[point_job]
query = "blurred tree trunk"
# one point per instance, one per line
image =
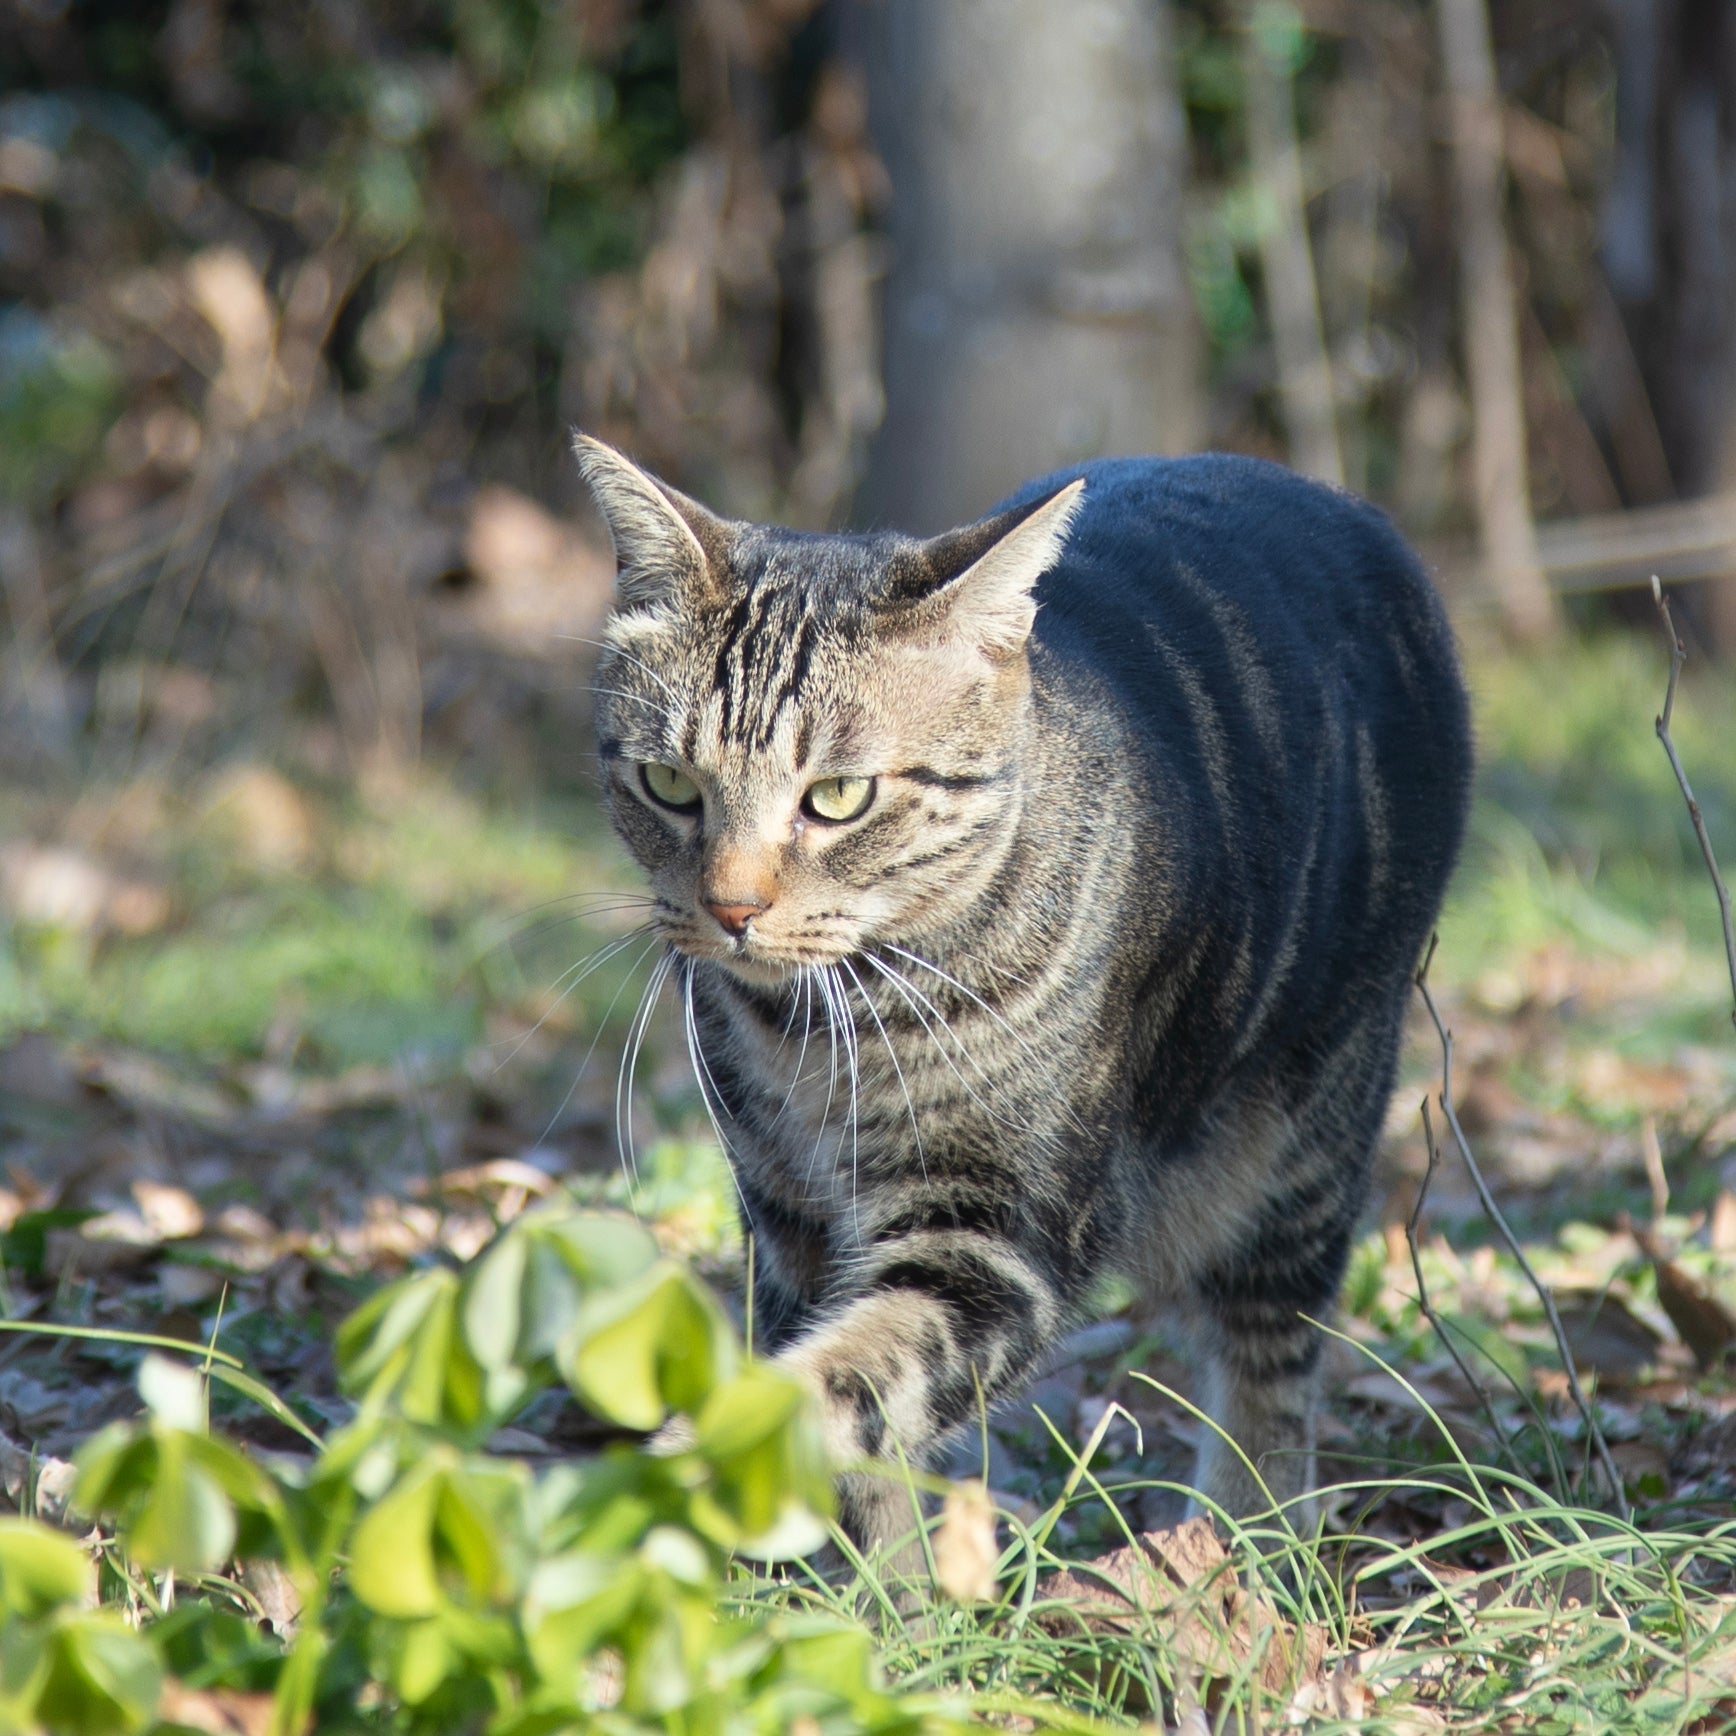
(1669, 241)
(1286, 259)
(1037, 310)
(1500, 473)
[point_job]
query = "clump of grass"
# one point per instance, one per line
(1529, 1612)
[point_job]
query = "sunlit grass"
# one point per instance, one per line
(391, 934)
(1580, 837)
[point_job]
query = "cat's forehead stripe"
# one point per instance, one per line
(763, 662)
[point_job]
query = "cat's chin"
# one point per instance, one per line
(762, 971)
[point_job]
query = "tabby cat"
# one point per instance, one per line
(1043, 899)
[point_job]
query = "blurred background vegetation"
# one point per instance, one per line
(298, 303)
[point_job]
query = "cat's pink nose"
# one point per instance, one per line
(734, 917)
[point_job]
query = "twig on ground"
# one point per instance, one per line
(1593, 1431)
(1423, 1302)
(1656, 1180)
(1678, 655)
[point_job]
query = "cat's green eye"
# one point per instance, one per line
(670, 786)
(838, 799)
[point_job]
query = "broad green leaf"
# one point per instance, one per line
(392, 1551)
(451, 1527)
(424, 1659)
(572, 1605)
(184, 1519)
(113, 1466)
(441, 1383)
(678, 1553)
(467, 1536)
(491, 1301)
(523, 1295)
(99, 1678)
(661, 1651)
(206, 1646)
(403, 1351)
(39, 1568)
(607, 1249)
(659, 1345)
(770, 1484)
(173, 1393)
(557, 1276)
(378, 1332)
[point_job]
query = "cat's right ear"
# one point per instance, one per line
(667, 548)
(975, 584)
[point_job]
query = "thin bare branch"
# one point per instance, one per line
(1423, 1302)
(1594, 1432)
(1678, 656)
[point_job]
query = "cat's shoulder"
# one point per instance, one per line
(1218, 493)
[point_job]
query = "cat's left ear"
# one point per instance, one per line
(978, 581)
(666, 546)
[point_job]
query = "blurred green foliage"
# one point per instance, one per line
(440, 1589)
(58, 395)
(479, 160)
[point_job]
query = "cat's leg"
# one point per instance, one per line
(791, 1264)
(1261, 1370)
(1255, 1302)
(937, 1322)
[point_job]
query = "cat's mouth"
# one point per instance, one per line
(760, 959)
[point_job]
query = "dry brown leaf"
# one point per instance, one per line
(1377, 1386)
(537, 578)
(965, 1548)
(1340, 1693)
(507, 1174)
(52, 1478)
(1706, 1326)
(171, 1212)
(265, 815)
(1639, 1458)
(218, 1711)
(275, 1594)
(1183, 1579)
(54, 887)
(1605, 1336)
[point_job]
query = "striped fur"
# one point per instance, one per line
(1109, 976)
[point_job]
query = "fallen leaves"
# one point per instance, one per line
(1180, 1585)
(1706, 1326)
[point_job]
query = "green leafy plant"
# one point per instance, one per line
(441, 1588)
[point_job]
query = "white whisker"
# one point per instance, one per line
(591, 962)
(845, 1022)
(629, 1063)
(807, 998)
(906, 989)
(892, 1056)
(597, 1036)
(993, 1012)
(819, 977)
(626, 657)
(701, 1074)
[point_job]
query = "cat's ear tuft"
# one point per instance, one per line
(666, 546)
(978, 580)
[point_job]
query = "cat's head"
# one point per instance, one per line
(811, 742)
